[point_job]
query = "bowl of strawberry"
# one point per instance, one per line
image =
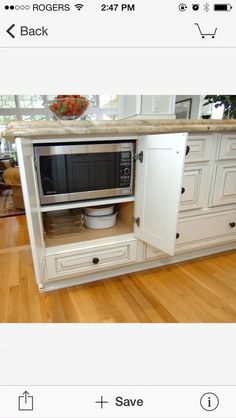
(68, 107)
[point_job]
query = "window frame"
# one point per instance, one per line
(19, 112)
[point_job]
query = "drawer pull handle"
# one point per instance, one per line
(187, 150)
(177, 235)
(182, 190)
(95, 260)
(232, 224)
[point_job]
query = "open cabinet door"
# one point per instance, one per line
(159, 171)
(32, 205)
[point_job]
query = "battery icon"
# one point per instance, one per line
(222, 7)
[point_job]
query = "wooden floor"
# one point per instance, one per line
(13, 232)
(202, 290)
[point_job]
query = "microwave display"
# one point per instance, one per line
(84, 171)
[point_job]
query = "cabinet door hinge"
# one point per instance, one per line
(139, 157)
(136, 221)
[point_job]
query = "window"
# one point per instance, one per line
(31, 101)
(32, 107)
(7, 101)
(103, 107)
(22, 108)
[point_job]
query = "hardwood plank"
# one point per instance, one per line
(150, 306)
(13, 232)
(171, 295)
(123, 302)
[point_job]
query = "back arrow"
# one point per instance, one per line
(9, 31)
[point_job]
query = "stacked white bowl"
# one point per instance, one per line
(100, 217)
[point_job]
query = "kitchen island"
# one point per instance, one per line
(183, 206)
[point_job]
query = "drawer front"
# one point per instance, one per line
(212, 227)
(199, 232)
(91, 259)
(194, 188)
(224, 192)
(200, 148)
(227, 147)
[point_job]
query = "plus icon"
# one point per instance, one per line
(101, 402)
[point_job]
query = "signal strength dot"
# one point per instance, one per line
(79, 6)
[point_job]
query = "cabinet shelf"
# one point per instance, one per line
(87, 203)
(120, 228)
(123, 226)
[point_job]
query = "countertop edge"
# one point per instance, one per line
(60, 129)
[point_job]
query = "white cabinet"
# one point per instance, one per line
(194, 187)
(205, 230)
(227, 148)
(200, 148)
(225, 184)
(182, 203)
(91, 258)
(158, 182)
(224, 191)
(32, 206)
(158, 189)
(196, 232)
(208, 201)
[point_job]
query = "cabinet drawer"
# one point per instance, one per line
(227, 147)
(200, 148)
(224, 191)
(200, 232)
(194, 188)
(91, 259)
(212, 227)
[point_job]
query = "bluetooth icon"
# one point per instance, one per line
(206, 7)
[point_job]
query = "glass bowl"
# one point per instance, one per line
(68, 107)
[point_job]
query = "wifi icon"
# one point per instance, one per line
(79, 6)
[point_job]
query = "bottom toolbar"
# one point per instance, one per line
(117, 401)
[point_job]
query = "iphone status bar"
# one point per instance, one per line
(118, 25)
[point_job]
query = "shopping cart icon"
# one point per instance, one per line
(203, 35)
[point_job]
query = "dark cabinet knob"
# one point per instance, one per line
(177, 235)
(182, 190)
(95, 260)
(232, 224)
(187, 150)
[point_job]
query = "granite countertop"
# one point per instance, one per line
(131, 127)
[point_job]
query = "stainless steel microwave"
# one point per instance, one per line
(81, 171)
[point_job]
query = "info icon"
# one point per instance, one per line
(209, 401)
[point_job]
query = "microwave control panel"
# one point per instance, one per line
(125, 169)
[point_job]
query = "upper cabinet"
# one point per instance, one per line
(159, 173)
(147, 107)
